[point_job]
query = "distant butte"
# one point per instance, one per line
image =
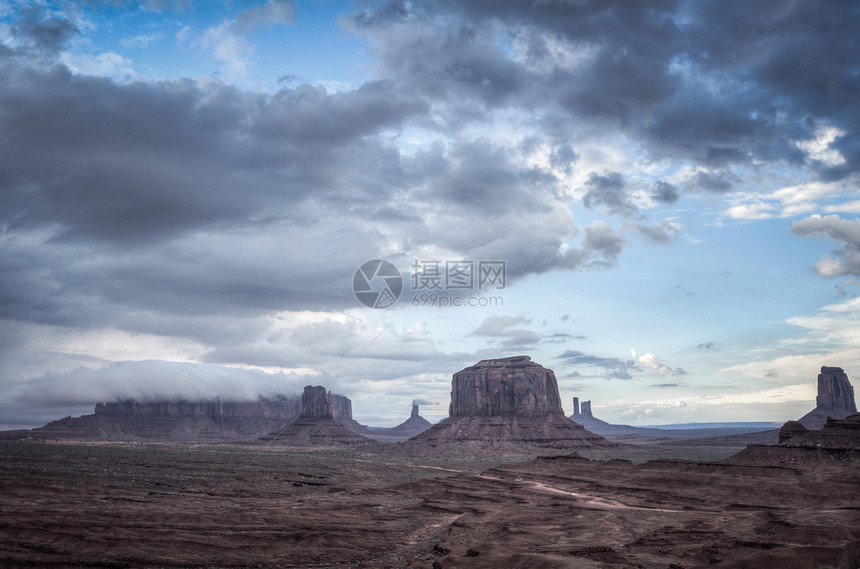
(203, 421)
(835, 398)
(315, 425)
(505, 406)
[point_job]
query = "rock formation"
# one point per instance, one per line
(315, 425)
(584, 414)
(178, 421)
(506, 386)
(835, 398)
(316, 403)
(187, 421)
(834, 390)
(506, 406)
(836, 442)
(834, 434)
(791, 429)
(414, 425)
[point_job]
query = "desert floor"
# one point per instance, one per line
(163, 505)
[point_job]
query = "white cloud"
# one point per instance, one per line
(107, 64)
(818, 148)
(143, 40)
(796, 199)
(652, 362)
(182, 34)
(232, 50)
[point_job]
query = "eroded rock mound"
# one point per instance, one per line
(835, 434)
(837, 442)
(508, 406)
(315, 425)
(835, 398)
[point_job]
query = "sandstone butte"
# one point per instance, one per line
(315, 425)
(503, 406)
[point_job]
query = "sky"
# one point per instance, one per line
(658, 200)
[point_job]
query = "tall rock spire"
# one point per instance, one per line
(835, 398)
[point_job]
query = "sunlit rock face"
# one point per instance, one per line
(514, 386)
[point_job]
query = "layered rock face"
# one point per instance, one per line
(835, 392)
(505, 387)
(315, 425)
(835, 398)
(316, 403)
(279, 407)
(505, 407)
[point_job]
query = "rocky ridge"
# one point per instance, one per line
(211, 420)
(836, 442)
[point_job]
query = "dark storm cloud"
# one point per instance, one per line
(167, 207)
(717, 85)
(149, 195)
(141, 162)
(42, 33)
